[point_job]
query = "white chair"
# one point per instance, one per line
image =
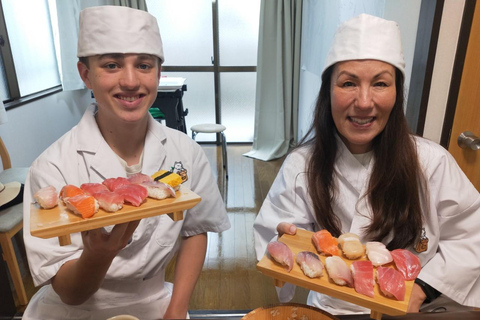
(213, 128)
(11, 222)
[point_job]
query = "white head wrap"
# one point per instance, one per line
(367, 37)
(116, 29)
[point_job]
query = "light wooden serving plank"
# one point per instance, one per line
(61, 222)
(302, 242)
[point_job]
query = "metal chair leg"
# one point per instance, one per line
(224, 153)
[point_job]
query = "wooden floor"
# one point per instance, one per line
(229, 280)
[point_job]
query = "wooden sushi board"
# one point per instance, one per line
(378, 305)
(61, 222)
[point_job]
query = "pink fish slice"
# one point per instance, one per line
(391, 282)
(46, 197)
(362, 272)
(114, 183)
(134, 194)
(407, 263)
(109, 201)
(281, 253)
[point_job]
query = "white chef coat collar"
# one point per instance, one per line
(105, 162)
(348, 167)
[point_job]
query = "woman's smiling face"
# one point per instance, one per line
(363, 94)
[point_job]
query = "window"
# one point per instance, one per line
(213, 44)
(28, 60)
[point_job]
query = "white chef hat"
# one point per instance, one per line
(367, 37)
(117, 29)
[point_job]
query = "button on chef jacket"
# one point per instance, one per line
(451, 264)
(134, 283)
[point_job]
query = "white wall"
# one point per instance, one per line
(320, 20)
(32, 127)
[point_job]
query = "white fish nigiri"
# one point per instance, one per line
(310, 264)
(46, 197)
(339, 271)
(378, 253)
(281, 253)
(158, 189)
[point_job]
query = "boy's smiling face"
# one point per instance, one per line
(124, 85)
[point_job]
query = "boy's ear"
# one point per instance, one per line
(84, 73)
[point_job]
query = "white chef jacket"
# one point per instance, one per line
(451, 264)
(134, 283)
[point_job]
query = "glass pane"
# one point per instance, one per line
(186, 30)
(31, 40)
(238, 105)
(238, 28)
(4, 94)
(199, 99)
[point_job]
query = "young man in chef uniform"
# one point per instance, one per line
(121, 269)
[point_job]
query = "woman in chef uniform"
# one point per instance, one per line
(360, 170)
(121, 269)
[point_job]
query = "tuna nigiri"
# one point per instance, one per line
(91, 188)
(82, 204)
(407, 263)
(281, 253)
(351, 246)
(134, 194)
(378, 253)
(339, 271)
(46, 197)
(310, 264)
(70, 190)
(362, 272)
(391, 283)
(109, 201)
(325, 243)
(113, 183)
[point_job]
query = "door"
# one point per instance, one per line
(467, 113)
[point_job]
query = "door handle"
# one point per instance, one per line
(467, 140)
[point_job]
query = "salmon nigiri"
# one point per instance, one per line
(82, 204)
(325, 243)
(69, 191)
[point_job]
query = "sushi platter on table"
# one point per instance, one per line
(302, 241)
(61, 222)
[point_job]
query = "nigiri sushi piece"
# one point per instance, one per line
(339, 271)
(134, 194)
(378, 253)
(82, 204)
(325, 243)
(351, 246)
(281, 253)
(158, 190)
(362, 272)
(90, 188)
(46, 197)
(310, 264)
(139, 178)
(391, 283)
(108, 200)
(70, 190)
(113, 183)
(407, 263)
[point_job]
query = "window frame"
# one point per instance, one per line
(16, 99)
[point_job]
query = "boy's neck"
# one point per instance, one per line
(127, 141)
